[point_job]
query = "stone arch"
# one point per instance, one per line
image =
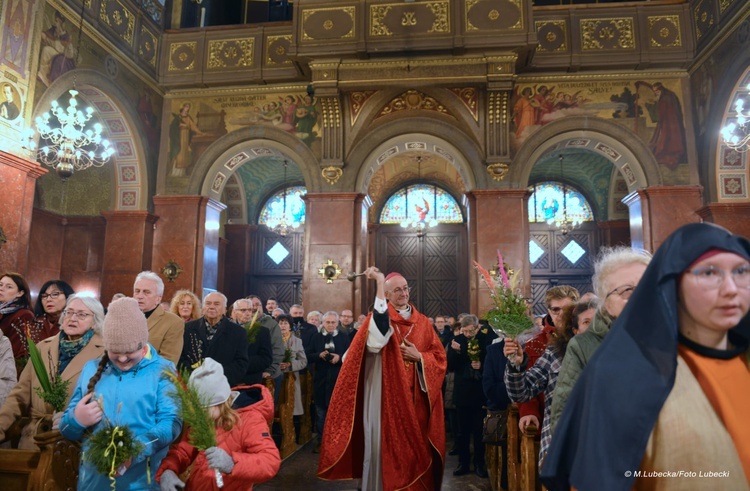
(224, 156)
(124, 130)
(399, 136)
(623, 148)
(727, 173)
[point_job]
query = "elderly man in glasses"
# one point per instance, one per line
(556, 299)
(397, 409)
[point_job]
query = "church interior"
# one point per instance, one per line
(272, 147)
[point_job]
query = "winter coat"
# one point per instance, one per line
(165, 333)
(249, 443)
(299, 362)
(138, 398)
(326, 373)
(15, 326)
(260, 357)
(467, 388)
(8, 375)
(228, 347)
(24, 400)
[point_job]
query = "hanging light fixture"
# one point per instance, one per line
(419, 221)
(564, 223)
(69, 144)
(736, 135)
(282, 225)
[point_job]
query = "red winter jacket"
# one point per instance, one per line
(256, 458)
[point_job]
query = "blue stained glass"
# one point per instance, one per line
(421, 202)
(295, 207)
(546, 204)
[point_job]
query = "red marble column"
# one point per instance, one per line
(238, 258)
(498, 219)
(188, 233)
(657, 211)
(733, 216)
(128, 242)
(18, 177)
(336, 229)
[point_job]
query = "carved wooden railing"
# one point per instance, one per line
(284, 413)
(523, 454)
(54, 467)
(305, 429)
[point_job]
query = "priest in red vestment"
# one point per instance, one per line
(389, 430)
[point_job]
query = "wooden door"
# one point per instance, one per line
(558, 259)
(277, 267)
(435, 265)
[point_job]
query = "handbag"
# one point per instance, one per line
(495, 430)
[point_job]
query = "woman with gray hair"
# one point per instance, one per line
(65, 354)
(617, 272)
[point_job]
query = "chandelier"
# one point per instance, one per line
(564, 223)
(736, 135)
(419, 221)
(69, 145)
(281, 225)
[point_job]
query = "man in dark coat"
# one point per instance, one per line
(215, 336)
(259, 351)
(327, 349)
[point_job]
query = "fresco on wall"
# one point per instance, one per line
(58, 48)
(11, 106)
(195, 124)
(15, 42)
(650, 108)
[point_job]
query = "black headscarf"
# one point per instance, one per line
(604, 429)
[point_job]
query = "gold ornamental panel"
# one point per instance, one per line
(328, 23)
(182, 56)
(413, 100)
(147, 46)
(277, 50)
(724, 4)
(469, 98)
(704, 18)
(119, 18)
(395, 19)
(664, 31)
(494, 15)
(552, 35)
(607, 34)
(357, 102)
(230, 53)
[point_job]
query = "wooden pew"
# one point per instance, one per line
(529, 468)
(523, 456)
(514, 450)
(285, 411)
(306, 386)
(54, 467)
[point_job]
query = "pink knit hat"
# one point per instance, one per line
(125, 328)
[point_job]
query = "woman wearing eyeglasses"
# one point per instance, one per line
(664, 403)
(616, 273)
(16, 317)
(49, 306)
(64, 354)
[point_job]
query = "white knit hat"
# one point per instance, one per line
(125, 327)
(210, 382)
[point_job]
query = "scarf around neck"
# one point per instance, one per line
(69, 348)
(11, 306)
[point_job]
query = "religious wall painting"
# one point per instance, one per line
(59, 47)
(15, 35)
(650, 108)
(11, 106)
(197, 123)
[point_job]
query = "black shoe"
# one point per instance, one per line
(482, 472)
(453, 452)
(461, 470)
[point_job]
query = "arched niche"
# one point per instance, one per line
(625, 150)
(123, 128)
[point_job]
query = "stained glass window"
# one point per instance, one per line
(273, 210)
(551, 201)
(421, 202)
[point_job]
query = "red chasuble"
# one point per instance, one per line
(412, 433)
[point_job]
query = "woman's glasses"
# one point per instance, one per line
(45, 296)
(78, 315)
(712, 277)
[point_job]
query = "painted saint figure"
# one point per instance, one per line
(9, 109)
(181, 132)
(58, 53)
(668, 140)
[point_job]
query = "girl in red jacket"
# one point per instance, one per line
(245, 453)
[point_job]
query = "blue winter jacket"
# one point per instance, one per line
(138, 398)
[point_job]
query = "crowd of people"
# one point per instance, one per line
(606, 376)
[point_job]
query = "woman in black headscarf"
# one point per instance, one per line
(668, 390)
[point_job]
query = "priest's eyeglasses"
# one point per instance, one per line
(79, 315)
(399, 291)
(712, 277)
(624, 291)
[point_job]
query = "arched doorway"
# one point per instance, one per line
(431, 251)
